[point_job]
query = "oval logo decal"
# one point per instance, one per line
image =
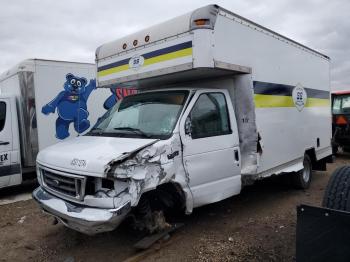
(136, 62)
(299, 97)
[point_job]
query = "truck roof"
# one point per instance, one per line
(179, 25)
(29, 64)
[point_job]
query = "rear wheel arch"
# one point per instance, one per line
(311, 152)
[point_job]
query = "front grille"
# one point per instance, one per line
(67, 185)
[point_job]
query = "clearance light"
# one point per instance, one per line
(125, 46)
(146, 38)
(201, 22)
(135, 42)
(341, 120)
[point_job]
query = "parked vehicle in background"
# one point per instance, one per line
(341, 121)
(223, 102)
(41, 103)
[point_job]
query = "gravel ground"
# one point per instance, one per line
(257, 225)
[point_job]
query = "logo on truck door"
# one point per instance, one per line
(299, 97)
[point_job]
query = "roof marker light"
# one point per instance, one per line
(201, 22)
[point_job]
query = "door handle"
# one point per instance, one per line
(4, 143)
(236, 155)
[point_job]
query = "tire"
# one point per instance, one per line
(302, 179)
(337, 194)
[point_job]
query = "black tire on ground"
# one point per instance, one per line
(302, 179)
(337, 194)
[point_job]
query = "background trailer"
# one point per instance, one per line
(43, 102)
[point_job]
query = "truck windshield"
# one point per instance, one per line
(145, 115)
(341, 104)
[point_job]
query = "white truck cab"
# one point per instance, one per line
(221, 102)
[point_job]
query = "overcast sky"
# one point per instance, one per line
(71, 30)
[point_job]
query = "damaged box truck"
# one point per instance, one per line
(221, 102)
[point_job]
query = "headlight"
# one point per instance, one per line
(38, 173)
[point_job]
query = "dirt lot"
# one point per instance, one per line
(258, 225)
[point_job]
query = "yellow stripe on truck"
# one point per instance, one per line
(170, 56)
(264, 101)
(273, 101)
(317, 102)
(113, 70)
(149, 61)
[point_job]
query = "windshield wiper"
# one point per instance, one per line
(95, 130)
(135, 130)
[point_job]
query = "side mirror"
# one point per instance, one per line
(188, 126)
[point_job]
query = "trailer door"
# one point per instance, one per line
(7, 153)
(211, 147)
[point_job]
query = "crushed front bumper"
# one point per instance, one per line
(87, 220)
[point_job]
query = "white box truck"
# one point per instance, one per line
(39, 106)
(222, 102)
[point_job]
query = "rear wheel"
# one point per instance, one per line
(302, 179)
(337, 194)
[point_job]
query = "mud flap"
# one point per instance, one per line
(322, 234)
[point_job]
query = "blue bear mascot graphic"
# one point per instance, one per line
(111, 100)
(71, 104)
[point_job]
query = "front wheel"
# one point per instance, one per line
(302, 179)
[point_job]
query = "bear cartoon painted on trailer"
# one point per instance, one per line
(71, 104)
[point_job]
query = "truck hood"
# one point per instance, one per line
(89, 155)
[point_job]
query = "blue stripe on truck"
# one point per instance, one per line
(264, 88)
(148, 55)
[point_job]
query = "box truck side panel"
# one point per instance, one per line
(68, 110)
(272, 58)
(9, 143)
(20, 85)
(279, 69)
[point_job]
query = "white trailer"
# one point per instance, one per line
(33, 96)
(222, 102)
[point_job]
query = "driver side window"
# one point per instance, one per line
(209, 116)
(2, 115)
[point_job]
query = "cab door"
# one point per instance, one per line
(8, 154)
(211, 153)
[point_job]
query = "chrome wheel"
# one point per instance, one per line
(306, 171)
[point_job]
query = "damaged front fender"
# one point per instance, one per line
(148, 167)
